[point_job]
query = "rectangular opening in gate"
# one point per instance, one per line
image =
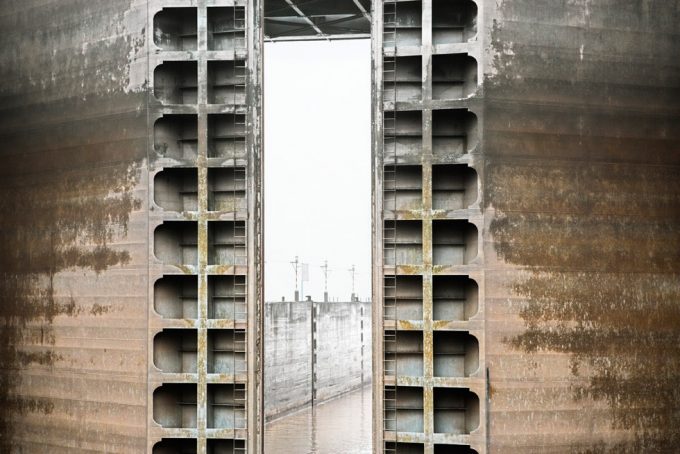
(317, 333)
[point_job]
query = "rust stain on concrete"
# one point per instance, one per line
(73, 129)
(581, 183)
(71, 223)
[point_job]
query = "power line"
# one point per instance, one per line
(319, 264)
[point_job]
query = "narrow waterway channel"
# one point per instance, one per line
(339, 426)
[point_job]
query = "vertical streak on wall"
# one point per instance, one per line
(205, 232)
(361, 338)
(377, 280)
(313, 319)
(428, 277)
(202, 202)
(255, 128)
(426, 159)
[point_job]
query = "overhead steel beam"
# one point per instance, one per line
(353, 33)
(365, 13)
(304, 16)
(300, 20)
(316, 38)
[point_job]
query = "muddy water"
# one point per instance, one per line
(341, 426)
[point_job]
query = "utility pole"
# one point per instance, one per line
(295, 264)
(353, 271)
(304, 277)
(325, 281)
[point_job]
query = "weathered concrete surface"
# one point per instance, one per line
(340, 366)
(288, 365)
(582, 207)
(582, 199)
(288, 352)
(72, 226)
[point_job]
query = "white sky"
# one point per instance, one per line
(318, 166)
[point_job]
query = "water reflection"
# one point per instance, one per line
(341, 426)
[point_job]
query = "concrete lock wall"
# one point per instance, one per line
(129, 286)
(567, 113)
(130, 305)
(295, 373)
(582, 215)
(73, 226)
